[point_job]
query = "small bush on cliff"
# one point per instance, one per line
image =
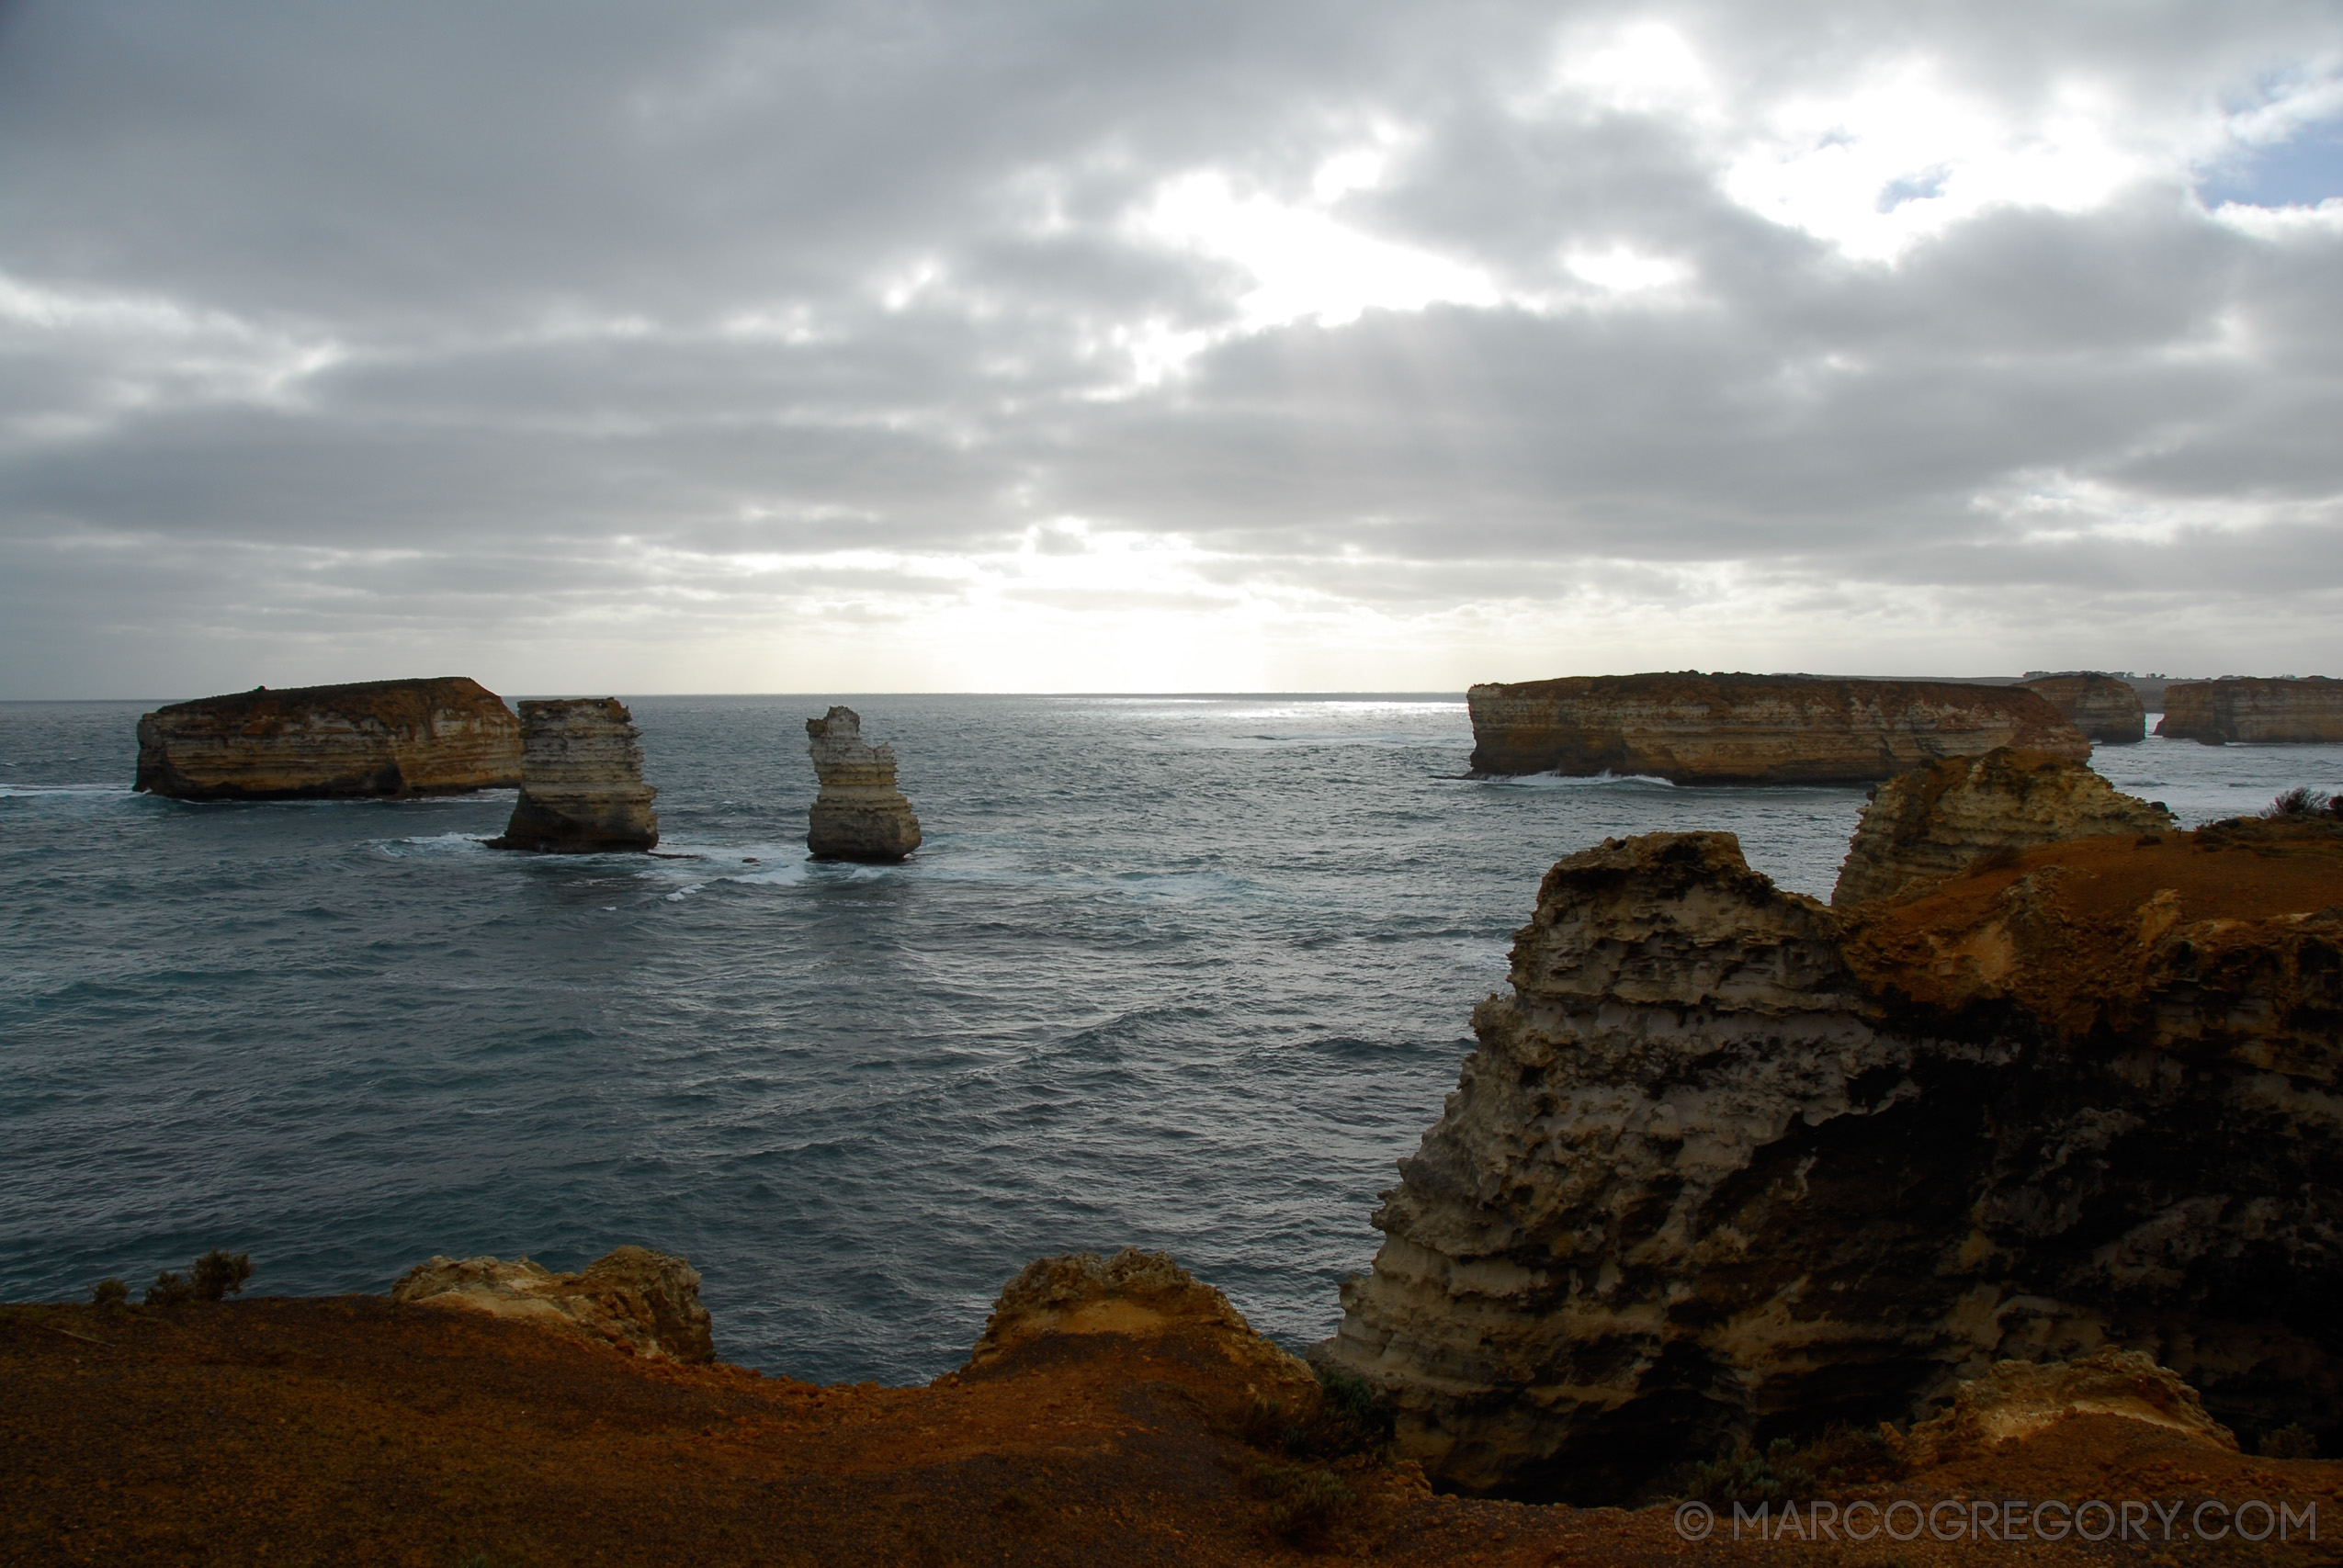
(217, 1275)
(1785, 1470)
(2288, 1442)
(108, 1292)
(170, 1288)
(220, 1274)
(2303, 802)
(1348, 1417)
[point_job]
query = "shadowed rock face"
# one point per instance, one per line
(2102, 706)
(646, 1302)
(1752, 728)
(581, 789)
(1934, 821)
(372, 739)
(860, 815)
(2241, 710)
(1727, 1163)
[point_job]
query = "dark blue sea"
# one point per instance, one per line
(1186, 972)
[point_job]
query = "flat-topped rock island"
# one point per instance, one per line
(1692, 729)
(384, 739)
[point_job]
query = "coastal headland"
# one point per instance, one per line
(1115, 1412)
(1728, 1165)
(372, 739)
(1692, 729)
(2104, 707)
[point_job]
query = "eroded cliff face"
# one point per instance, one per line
(1935, 821)
(860, 815)
(2102, 706)
(1727, 1163)
(1695, 728)
(581, 784)
(2240, 708)
(646, 1302)
(381, 738)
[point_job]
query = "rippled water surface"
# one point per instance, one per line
(1188, 972)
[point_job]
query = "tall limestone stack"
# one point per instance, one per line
(1728, 1164)
(2249, 710)
(1935, 821)
(370, 738)
(2102, 707)
(860, 815)
(1692, 729)
(581, 789)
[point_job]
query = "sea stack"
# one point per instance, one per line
(581, 789)
(2102, 706)
(1935, 821)
(1739, 730)
(2244, 708)
(860, 815)
(1728, 1164)
(380, 739)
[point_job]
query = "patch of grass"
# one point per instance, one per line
(1347, 1417)
(1305, 1501)
(2290, 1441)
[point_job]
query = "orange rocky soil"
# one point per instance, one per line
(355, 1430)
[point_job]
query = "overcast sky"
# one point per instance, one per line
(1049, 345)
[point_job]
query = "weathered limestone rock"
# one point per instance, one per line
(581, 789)
(1693, 728)
(644, 1302)
(1132, 1292)
(1728, 1164)
(2240, 708)
(860, 815)
(2014, 1400)
(390, 738)
(1934, 821)
(2102, 706)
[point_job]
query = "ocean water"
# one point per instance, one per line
(1186, 972)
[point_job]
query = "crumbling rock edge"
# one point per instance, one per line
(643, 1301)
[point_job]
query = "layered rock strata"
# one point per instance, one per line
(644, 1302)
(1935, 821)
(1132, 1293)
(2014, 1400)
(1728, 1164)
(860, 815)
(2240, 708)
(2102, 706)
(1736, 729)
(371, 738)
(581, 787)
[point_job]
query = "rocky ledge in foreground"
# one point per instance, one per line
(860, 815)
(372, 739)
(1939, 820)
(2103, 707)
(582, 788)
(2235, 708)
(1738, 729)
(1117, 1411)
(1728, 1164)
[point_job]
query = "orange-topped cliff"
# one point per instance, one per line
(369, 738)
(1726, 730)
(2286, 710)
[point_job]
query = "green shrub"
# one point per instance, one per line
(109, 1292)
(169, 1290)
(2288, 1442)
(1305, 1501)
(219, 1274)
(1352, 1415)
(1785, 1470)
